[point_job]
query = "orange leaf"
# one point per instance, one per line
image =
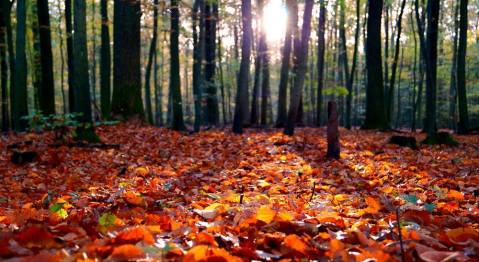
(462, 235)
(196, 253)
(126, 253)
(134, 235)
(294, 242)
(33, 236)
(375, 255)
(133, 199)
(205, 238)
(455, 194)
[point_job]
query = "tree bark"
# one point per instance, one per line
(105, 62)
(148, 107)
(211, 112)
(198, 46)
(46, 94)
(126, 101)
(463, 125)
(333, 131)
(301, 67)
(19, 92)
(69, 29)
(375, 109)
(321, 51)
(350, 80)
(243, 75)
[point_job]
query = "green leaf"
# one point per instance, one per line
(430, 207)
(57, 207)
(410, 198)
(107, 220)
(62, 213)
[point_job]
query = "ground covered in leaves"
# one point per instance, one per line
(215, 196)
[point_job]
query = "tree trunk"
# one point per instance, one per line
(211, 107)
(149, 110)
(264, 72)
(397, 47)
(375, 110)
(333, 131)
(93, 55)
(398, 111)
(105, 62)
(126, 101)
(301, 66)
(81, 87)
(321, 51)
(463, 125)
(453, 80)
(243, 75)
(19, 92)
(175, 82)
(285, 63)
(198, 44)
(350, 80)
(433, 8)
(46, 94)
(69, 29)
(62, 59)
(257, 75)
(3, 64)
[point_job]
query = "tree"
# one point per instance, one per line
(81, 86)
(126, 100)
(375, 109)
(397, 46)
(350, 80)
(5, 13)
(19, 92)
(69, 29)
(301, 67)
(430, 127)
(463, 125)
(198, 45)
(321, 51)
(243, 75)
(46, 94)
(175, 90)
(149, 112)
(105, 61)
(211, 110)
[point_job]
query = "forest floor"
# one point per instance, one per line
(215, 196)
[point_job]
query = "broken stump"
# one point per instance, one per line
(333, 131)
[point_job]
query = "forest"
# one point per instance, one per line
(239, 130)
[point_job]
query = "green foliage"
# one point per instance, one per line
(63, 126)
(107, 220)
(337, 91)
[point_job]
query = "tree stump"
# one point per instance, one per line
(333, 131)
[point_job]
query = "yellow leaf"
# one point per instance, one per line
(373, 205)
(265, 214)
(340, 198)
(285, 216)
(196, 253)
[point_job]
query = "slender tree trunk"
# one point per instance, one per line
(81, 85)
(62, 60)
(398, 111)
(302, 61)
(414, 78)
(69, 32)
(36, 61)
(93, 55)
(149, 110)
(175, 84)
(211, 107)
(198, 43)
(105, 62)
(19, 92)
(433, 8)
(46, 94)
(420, 21)
(10, 48)
(3, 63)
(387, 8)
(257, 75)
(350, 80)
(126, 101)
(321, 51)
(264, 72)
(463, 125)
(453, 81)
(375, 109)
(397, 47)
(243, 75)
(221, 76)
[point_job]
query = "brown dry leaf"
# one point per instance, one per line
(295, 243)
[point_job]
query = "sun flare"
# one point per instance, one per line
(275, 18)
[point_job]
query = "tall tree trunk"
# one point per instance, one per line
(453, 81)
(36, 61)
(387, 12)
(414, 76)
(463, 125)
(211, 107)
(243, 75)
(302, 60)
(4, 11)
(198, 44)
(433, 8)
(19, 92)
(69, 32)
(221, 77)
(175, 82)
(321, 51)
(105, 62)
(343, 58)
(46, 94)
(397, 47)
(420, 21)
(62, 60)
(81, 85)
(285, 63)
(149, 110)
(126, 101)
(350, 80)
(257, 75)
(398, 111)
(93, 55)
(375, 110)
(264, 71)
